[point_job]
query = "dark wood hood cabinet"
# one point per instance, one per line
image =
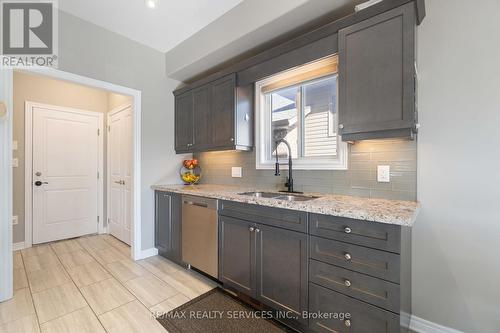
(377, 81)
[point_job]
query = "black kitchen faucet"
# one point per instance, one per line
(289, 179)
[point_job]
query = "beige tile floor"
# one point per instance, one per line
(90, 284)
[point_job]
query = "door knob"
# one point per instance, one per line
(347, 256)
(347, 283)
(251, 229)
(40, 183)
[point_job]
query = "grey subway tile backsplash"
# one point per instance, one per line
(360, 179)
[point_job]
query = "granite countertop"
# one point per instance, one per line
(375, 210)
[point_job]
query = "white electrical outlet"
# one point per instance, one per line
(15, 163)
(384, 173)
(14, 145)
(236, 172)
(15, 220)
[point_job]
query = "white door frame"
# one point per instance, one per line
(6, 271)
(28, 165)
(108, 166)
(137, 252)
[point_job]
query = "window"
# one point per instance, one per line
(300, 106)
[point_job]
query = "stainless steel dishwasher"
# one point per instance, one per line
(199, 234)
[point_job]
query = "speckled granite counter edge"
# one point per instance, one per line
(395, 212)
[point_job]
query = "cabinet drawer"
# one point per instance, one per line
(278, 217)
(384, 265)
(363, 317)
(363, 287)
(381, 236)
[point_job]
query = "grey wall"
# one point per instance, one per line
(360, 179)
(456, 242)
(91, 51)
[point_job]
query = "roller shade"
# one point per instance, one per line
(317, 69)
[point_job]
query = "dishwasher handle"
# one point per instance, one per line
(193, 203)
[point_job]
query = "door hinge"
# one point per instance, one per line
(109, 128)
(98, 132)
(98, 218)
(98, 175)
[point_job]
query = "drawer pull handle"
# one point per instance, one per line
(347, 323)
(347, 256)
(347, 283)
(347, 230)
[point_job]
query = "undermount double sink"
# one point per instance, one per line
(279, 196)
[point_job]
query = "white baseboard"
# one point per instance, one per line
(420, 325)
(148, 253)
(17, 246)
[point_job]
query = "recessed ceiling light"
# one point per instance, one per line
(151, 3)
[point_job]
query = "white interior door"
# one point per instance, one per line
(120, 174)
(65, 174)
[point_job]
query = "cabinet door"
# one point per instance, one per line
(168, 225)
(237, 254)
(202, 118)
(184, 122)
(282, 269)
(163, 222)
(376, 76)
(223, 109)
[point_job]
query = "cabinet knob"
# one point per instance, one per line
(347, 283)
(232, 139)
(257, 230)
(251, 229)
(347, 323)
(347, 256)
(341, 126)
(347, 230)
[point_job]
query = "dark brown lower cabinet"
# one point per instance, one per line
(345, 281)
(282, 268)
(267, 263)
(334, 312)
(237, 254)
(168, 208)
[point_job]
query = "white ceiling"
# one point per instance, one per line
(161, 28)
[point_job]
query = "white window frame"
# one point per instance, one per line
(263, 130)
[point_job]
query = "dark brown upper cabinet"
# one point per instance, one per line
(184, 122)
(202, 131)
(215, 116)
(377, 76)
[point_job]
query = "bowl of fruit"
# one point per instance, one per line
(190, 172)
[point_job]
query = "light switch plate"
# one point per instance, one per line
(15, 220)
(383, 173)
(14, 145)
(15, 162)
(236, 172)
